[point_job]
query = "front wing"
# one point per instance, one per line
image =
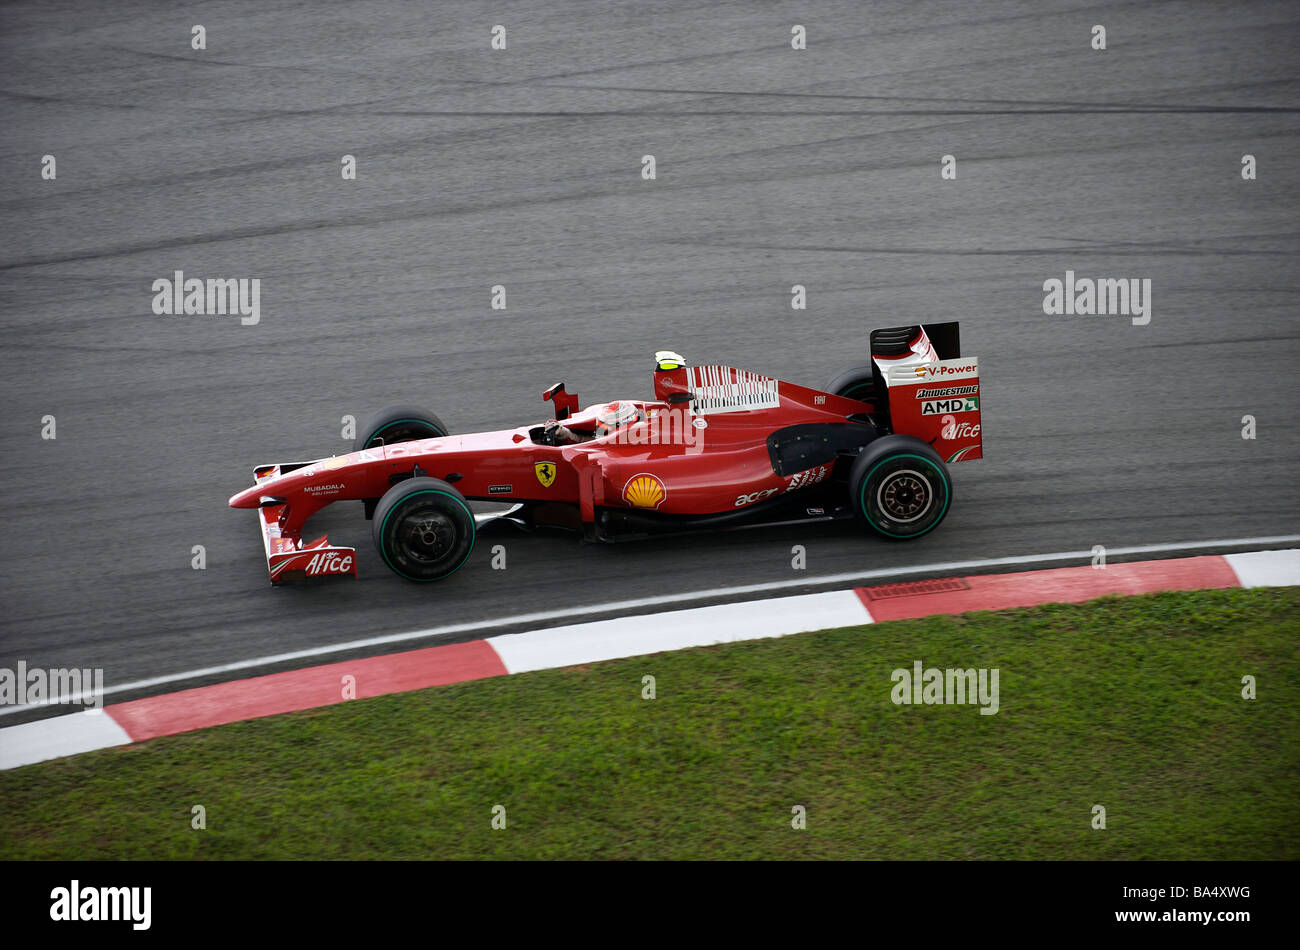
(288, 558)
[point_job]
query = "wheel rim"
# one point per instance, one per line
(905, 496)
(404, 524)
(425, 534)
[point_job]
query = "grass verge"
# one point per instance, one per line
(1130, 703)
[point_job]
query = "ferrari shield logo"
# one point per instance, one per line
(545, 473)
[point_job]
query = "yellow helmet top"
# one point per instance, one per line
(667, 359)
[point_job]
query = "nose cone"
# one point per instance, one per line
(248, 498)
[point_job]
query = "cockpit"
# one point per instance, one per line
(604, 421)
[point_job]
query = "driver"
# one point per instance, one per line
(611, 417)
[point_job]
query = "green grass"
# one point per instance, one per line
(1131, 703)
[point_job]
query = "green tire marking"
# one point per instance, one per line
(383, 529)
(866, 510)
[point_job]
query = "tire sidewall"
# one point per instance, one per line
(408, 422)
(882, 461)
(421, 491)
(857, 382)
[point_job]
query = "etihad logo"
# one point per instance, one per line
(644, 491)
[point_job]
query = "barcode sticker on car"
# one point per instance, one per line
(726, 389)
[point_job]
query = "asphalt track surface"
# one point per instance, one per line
(522, 168)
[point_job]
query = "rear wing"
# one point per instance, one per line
(932, 392)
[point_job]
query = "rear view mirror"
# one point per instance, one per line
(565, 403)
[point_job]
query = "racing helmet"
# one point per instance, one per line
(615, 416)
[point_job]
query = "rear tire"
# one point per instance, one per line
(399, 424)
(856, 382)
(900, 487)
(424, 529)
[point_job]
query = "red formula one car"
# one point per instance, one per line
(716, 447)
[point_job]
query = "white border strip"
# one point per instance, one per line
(642, 634)
(1266, 568)
(939, 569)
(62, 735)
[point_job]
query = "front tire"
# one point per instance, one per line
(424, 529)
(900, 487)
(399, 424)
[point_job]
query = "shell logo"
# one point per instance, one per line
(644, 491)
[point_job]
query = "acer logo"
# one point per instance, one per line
(749, 499)
(952, 429)
(328, 562)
